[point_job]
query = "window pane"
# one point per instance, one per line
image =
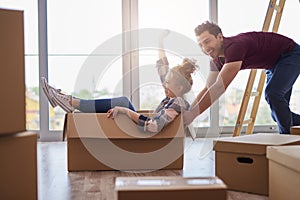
(290, 16)
(242, 19)
(76, 34)
(31, 58)
(181, 18)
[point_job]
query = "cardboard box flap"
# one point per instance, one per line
(254, 143)
(168, 183)
(288, 156)
(97, 125)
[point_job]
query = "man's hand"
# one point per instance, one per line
(112, 113)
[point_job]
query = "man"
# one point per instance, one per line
(277, 54)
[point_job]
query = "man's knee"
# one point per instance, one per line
(272, 96)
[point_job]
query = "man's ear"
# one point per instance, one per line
(220, 36)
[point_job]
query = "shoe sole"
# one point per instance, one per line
(46, 92)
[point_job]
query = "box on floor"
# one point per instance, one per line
(98, 143)
(241, 161)
(295, 130)
(284, 172)
(18, 168)
(169, 187)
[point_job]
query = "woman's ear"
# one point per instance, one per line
(180, 89)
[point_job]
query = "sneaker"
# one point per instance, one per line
(62, 100)
(46, 87)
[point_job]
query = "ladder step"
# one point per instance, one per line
(278, 8)
(255, 94)
(248, 121)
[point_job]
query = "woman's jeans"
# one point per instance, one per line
(103, 105)
(280, 81)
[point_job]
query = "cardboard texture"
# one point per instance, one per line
(12, 73)
(241, 161)
(284, 172)
(98, 143)
(168, 187)
(295, 130)
(18, 168)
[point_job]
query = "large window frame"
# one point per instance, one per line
(129, 22)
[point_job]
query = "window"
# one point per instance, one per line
(181, 18)
(289, 19)
(76, 32)
(242, 19)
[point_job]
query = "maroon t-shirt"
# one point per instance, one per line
(257, 50)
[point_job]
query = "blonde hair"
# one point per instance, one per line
(183, 74)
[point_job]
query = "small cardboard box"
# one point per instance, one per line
(295, 130)
(167, 187)
(284, 172)
(18, 168)
(96, 142)
(241, 161)
(12, 72)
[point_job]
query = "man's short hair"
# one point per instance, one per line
(211, 27)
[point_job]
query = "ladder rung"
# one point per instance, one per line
(248, 121)
(277, 8)
(254, 94)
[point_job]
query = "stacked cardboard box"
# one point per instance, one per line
(166, 187)
(18, 168)
(295, 130)
(284, 172)
(98, 143)
(12, 75)
(241, 161)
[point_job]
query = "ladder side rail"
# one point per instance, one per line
(245, 101)
(255, 106)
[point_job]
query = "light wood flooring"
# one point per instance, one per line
(55, 182)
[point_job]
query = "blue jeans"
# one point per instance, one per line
(103, 105)
(280, 81)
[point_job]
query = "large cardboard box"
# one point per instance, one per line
(12, 73)
(98, 143)
(169, 187)
(295, 130)
(18, 168)
(284, 172)
(241, 161)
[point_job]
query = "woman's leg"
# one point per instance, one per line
(102, 105)
(280, 81)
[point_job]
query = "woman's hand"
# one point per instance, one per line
(112, 113)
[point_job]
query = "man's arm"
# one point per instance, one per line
(206, 98)
(211, 79)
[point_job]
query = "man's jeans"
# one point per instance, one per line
(280, 81)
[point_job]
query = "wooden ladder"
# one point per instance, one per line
(249, 88)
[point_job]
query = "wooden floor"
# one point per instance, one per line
(55, 182)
